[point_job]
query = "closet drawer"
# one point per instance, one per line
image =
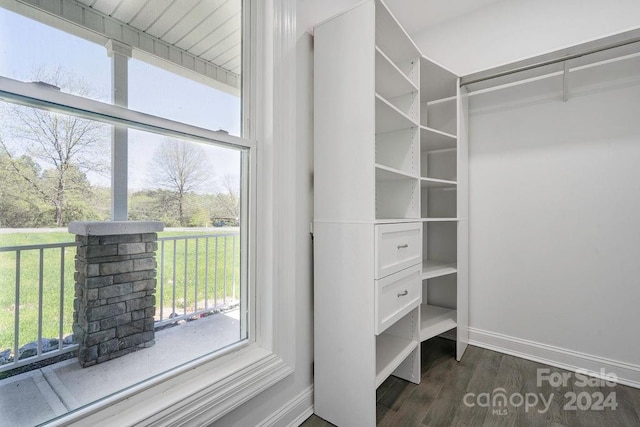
(397, 295)
(397, 247)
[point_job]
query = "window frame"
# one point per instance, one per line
(209, 387)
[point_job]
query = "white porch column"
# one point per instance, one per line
(119, 54)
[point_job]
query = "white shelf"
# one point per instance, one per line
(442, 100)
(435, 140)
(435, 320)
(397, 194)
(389, 117)
(440, 114)
(401, 220)
(436, 82)
(390, 80)
(391, 351)
(392, 38)
(432, 269)
(396, 220)
(385, 173)
(437, 183)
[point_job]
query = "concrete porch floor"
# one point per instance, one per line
(38, 396)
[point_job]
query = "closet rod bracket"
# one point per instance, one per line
(565, 82)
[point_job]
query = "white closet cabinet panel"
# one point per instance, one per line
(343, 171)
(344, 339)
(463, 224)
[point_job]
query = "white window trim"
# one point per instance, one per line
(208, 388)
(37, 95)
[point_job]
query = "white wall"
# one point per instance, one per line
(555, 219)
(511, 30)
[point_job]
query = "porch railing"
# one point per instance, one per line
(29, 304)
(209, 265)
(197, 275)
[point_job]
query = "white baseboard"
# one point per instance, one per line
(302, 417)
(570, 360)
(292, 413)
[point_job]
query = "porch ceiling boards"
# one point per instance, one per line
(207, 29)
(202, 37)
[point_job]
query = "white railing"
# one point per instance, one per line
(208, 264)
(197, 275)
(34, 267)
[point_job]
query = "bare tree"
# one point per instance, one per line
(231, 183)
(181, 167)
(64, 143)
(229, 203)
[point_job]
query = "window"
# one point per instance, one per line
(70, 63)
(203, 259)
(194, 189)
(157, 91)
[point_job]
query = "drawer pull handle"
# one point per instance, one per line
(403, 293)
(406, 245)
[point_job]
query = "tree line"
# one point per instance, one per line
(29, 198)
(45, 158)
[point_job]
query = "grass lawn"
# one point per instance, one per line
(222, 274)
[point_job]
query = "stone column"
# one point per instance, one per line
(115, 288)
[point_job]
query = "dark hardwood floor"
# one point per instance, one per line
(439, 399)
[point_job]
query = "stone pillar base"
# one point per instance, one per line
(115, 288)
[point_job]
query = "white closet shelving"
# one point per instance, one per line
(433, 140)
(435, 320)
(385, 173)
(390, 117)
(391, 81)
(391, 351)
(433, 269)
(388, 200)
(437, 183)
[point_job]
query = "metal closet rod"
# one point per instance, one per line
(470, 79)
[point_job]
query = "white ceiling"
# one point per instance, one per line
(418, 15)
(414, 15)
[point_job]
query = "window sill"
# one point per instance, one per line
(199, 392)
